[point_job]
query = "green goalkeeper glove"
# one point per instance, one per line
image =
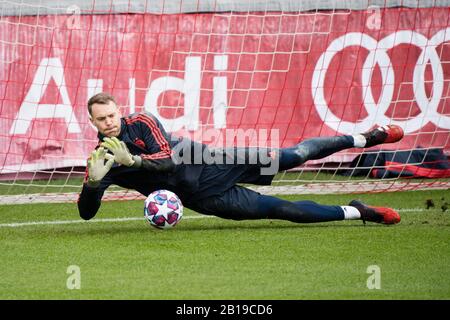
(97, 168)
(120, 151)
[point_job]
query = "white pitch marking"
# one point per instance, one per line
(36, 223)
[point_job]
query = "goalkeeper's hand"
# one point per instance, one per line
(120, 151)
(97, 168)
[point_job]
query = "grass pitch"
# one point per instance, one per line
(212, 258)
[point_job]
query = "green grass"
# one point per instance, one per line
(40, 186)
(212, 258)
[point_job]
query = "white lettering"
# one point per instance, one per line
(94, 86)
(189, 86)
(193, 310)
(220, 93)
(52, 68)
(132, 95)
(30, 109)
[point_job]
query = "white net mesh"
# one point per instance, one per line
(224, 73)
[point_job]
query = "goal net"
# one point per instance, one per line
(240, 73)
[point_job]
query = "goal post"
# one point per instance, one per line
(225, 73)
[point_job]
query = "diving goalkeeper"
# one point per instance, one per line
(135, 152)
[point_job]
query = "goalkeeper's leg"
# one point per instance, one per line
(318, 148)
(310, 211)
(240, 203)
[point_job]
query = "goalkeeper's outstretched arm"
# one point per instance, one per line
(90, 200)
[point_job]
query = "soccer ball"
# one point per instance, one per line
(163, 209)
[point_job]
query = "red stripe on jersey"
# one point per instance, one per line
(151, 124)
(156, 131)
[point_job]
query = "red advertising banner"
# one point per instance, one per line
(270, 75)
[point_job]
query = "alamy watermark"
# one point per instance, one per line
(73, 21)
(374, 280)
(74, 278)
(236, 146)
(373, 21)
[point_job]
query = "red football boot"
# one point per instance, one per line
(376, 214)
(386, 134)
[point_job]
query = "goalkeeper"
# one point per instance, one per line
(135, 152)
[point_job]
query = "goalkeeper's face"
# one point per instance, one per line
(106, 118)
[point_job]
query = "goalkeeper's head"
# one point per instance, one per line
(105, 114)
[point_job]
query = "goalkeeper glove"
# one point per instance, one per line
(97, 168)
(120, 151)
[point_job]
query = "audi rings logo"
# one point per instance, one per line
(378, 55)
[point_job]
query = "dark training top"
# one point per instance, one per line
(190, 180)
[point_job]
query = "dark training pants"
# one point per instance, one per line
(240, 203)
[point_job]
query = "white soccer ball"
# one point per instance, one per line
(163, 209)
